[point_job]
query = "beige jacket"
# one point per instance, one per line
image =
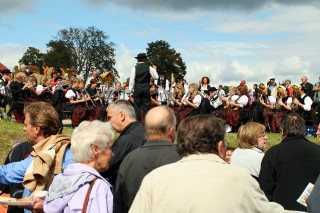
(200, 184)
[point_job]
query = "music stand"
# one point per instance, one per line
(108, 94)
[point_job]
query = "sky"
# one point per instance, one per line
(226, 40)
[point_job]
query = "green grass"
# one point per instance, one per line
(12, 131)
(273, 139)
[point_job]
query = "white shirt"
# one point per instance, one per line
(70, 94)
(243, 101)
(216, 103)
(249, 159)
(196, 100)
(307, 103)
(167, 84)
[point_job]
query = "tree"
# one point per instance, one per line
(89, 49)
(58, 55)
(166, 58)
(33, 57)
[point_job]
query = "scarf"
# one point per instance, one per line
(47, 162)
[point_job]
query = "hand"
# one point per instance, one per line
(261, 100)
(295, 101)
(37, 207)
(280, 102)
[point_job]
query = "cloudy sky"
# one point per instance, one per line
(225, 40)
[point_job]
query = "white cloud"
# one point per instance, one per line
(10, 54)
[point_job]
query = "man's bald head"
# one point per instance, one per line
(160, 121)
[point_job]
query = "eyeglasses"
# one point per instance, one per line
(263, 136)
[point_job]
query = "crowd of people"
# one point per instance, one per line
(147, 87)
(171, 154)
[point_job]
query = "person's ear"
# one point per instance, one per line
(37, 129)
(282, 133)
(172, 133)
(95, 150)
(122, 116)
(222, 149)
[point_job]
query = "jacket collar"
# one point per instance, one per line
(207, 157)
(157, 143)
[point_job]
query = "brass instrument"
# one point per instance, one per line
(296, 94)
(280, 90)
(296, 90)
(261, 88)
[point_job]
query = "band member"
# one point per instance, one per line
(204, 85)
(268, 102)
(236, 107)
(98, 110)
(304, 104)
(282, 107)
(17, 88)
(30, 90)
(163, 81)
(77, 101)
(5, 95)
(140, 84)
(117, 93)
(44, 90)
(154, 96)
(190, 103)
(215, 101)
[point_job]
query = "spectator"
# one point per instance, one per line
(229, 153)
(91, 149)
(313, 203)
(37, 171)
(201, 181)
(159, 150)
(307, 85)
(252, 141)
(120, 115)
(289, 166)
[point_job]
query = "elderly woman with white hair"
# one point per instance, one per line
(80, 188)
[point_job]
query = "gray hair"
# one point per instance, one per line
(123, 105)
(90, 133)
(304, 77)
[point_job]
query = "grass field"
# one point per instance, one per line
(12, 131)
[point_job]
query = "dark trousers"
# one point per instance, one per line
(142, 100)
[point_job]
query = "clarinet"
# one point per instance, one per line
(88, 95)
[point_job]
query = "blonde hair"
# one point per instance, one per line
(21, 76)
(195, 90)
(249, 133)
(181, 91)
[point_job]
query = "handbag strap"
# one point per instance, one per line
(86, 200)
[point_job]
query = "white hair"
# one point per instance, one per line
(90, 133)
(304, 77)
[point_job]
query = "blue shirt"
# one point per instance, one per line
(14, 172)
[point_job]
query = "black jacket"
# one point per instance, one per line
(136, 166)
(286, 170)
(132, 137)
